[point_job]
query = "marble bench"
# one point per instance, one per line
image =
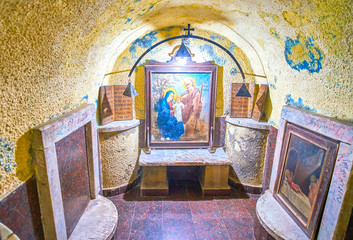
(213, 176)
(65, 153)
(275, 220)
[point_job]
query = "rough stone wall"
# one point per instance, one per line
(246, 148)
(314, 51)
(55, 54)
(49, 64)
(119, 154)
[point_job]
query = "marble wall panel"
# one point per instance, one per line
(73, 172)
(20, 211)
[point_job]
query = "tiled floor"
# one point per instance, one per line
(185, 214)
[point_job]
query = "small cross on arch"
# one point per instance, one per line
(189, 29)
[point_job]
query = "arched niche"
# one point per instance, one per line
(127, 49)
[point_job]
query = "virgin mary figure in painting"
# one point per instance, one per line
(168, 125)
(191, 99)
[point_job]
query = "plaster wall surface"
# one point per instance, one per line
(55, 55)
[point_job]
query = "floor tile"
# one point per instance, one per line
(148, 210)
(178, 229)
(146, 229)
(185, 214)
(204, 209)
(231, 208)
(123, 228)
(240, 228)
(251, 207)
(176, 210)
(125, 208)
(211, 229)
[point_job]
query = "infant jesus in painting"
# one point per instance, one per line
(177, 108)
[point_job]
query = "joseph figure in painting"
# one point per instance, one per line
(191, 99)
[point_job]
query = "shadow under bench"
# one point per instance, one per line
(213, 174)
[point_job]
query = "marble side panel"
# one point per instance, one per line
(339, 198)
(154, 177)
(184, 157)
(220, 132)
(73, 172)
(330, 127)
(214, 177)
(93, 159)
(49, 192)
(21, 213)
(270, 153)
(278, 149)
(142, 134)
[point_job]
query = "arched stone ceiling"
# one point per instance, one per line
(54, 55)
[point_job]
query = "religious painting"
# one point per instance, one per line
(180, 105)
(306, 164)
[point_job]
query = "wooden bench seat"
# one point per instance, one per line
(213, 176)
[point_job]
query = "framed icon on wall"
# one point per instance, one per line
(180, 104)
(306, 164)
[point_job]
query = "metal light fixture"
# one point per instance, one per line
(130, 91)
(182, 55)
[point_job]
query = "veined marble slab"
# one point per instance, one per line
(338, 203)
(275, 219)
(184, 157)
(248, 123)
(117, 126)
(98, 222)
